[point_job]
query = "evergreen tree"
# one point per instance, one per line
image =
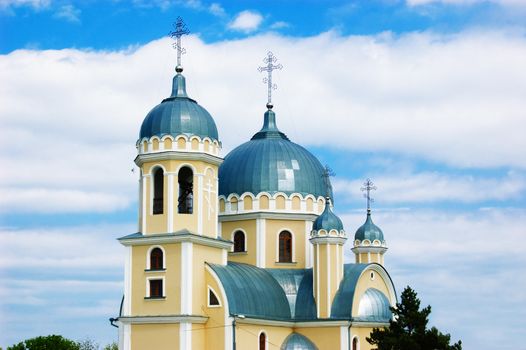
(50, 342)
(408, 330)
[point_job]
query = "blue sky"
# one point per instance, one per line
(426, 97)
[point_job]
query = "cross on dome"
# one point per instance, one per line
(327, 173)
(368, 187)
(180, 30)
(270, 60)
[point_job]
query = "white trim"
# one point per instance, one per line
(153, 169)
(163, 319)
(124, 336)
(200, 203)
(148, 267)
(143, 202)
(265, 215)
(185, 336)
(344, 338)
(228, 320)
(178, 155)
(308, 245)
(170, 179)
(176, 238)
(210, 289)
(291, 324)
(355, 336)
(318, 280)
(127, 282)
(261, 242)
(244, 234)
(186, 277)
(148, 279)
(266, 339)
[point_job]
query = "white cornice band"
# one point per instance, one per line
(163, 319)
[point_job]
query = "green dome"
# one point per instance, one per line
(327, 220)
(297, 341)
(369, 231)
(179, 115)
(270, 162)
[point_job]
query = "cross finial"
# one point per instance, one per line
(368, 187)
(327, 173)
(270, 60)
(180, 30)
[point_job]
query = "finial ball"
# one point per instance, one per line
(270, 105)
(179, 69)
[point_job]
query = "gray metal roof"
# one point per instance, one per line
(374, 307)
(369, 231)
(286, 294)
(270, 162)
(296, 341)
(179, 115)
(327, 220)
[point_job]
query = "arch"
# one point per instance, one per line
(355, 343)
(167, 142)
(185, 177)
(262, 340)
(239, 238)
(264, 202)
(248, 202)
(296, 202)
(280, 202)
(181, 142)
(158, 190)
(285, 246)
(149, 254)
(222, 205)
(155, 143)
(212, 298)
(194, 141)
(234, 200)
(145, 146)
(310, 203)
(156, 259)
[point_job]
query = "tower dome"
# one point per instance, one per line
(296, 341)
(179, 115)
(369, 231)
(327, 220)
(271, 163)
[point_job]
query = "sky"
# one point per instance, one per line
(425, 97)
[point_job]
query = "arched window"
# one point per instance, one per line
(285, 246)
(158, 191)
(262, 341)
(156, 259)
(186, 191)
(239, 241)
(355, 343)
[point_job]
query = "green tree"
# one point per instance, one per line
(88, 344)
(50, 342)
(408, 330)
(112, 346)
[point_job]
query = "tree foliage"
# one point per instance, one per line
(408, 330)
(50, 342)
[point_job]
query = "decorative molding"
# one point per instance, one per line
(328, 240)
(163, 319)
(293, 324)
(176, 238)
(177, 155)
(267, 215)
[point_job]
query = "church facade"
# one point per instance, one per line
(243, 252)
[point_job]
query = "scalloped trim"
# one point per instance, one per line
(181, 143)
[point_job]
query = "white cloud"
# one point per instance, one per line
(437, 187)
(35, 4)
(279, 25)
(467, 2)
(68, 12)
(246, 21)
(216, 9)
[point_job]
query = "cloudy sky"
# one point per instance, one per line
(425, 97)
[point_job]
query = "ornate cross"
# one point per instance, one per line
(180, 30)
(270, 60)
(209, 191)
(327, 173)
(368, 186)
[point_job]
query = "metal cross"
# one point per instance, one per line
(270, 60)
(368, 186)
(209, 191)
(327, 173)
(180, 30)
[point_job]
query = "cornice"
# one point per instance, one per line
(163, 319)
(139, 239)
(267, 215)
(177, 155)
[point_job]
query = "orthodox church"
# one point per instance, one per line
(243, 252)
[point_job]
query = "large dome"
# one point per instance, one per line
(271, 163)
(179, 115)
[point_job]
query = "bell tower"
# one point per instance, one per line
(178, 157)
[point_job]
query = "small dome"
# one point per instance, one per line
(179, 115)
(369, 231)
(374, 307)
(270, 162)
(297, 341)
(327, 220)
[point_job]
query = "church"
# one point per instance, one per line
(245, 251)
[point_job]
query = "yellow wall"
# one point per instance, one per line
(247, 336)
(325, 338)
(214, 327)
(202, 254)
(249, 226)
(362, 333)
(170, 305)
(365, 282)
(273, 228)
(155, 336)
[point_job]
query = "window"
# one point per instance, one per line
(156, 288)
(239, 241)
(156, 259)
(158, 191)
(285, 246)
(186, 191)
(212, 298)
(355, 343)
(262, 341)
